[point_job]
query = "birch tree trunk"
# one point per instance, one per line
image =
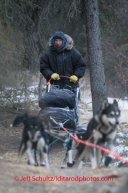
(97, 76)
(42, 84)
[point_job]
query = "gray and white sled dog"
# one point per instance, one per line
(101, 130)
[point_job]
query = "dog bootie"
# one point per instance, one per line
(70, 164)
(107, 161)
(63, 166)
(36, 164)
(42, 163)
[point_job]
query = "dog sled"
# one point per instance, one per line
(59, 107)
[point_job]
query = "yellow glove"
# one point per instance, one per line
(55, 76)
(73, 78)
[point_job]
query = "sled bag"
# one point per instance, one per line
(58, 98)
(50, 116)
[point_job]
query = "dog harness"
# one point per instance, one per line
(104, 135)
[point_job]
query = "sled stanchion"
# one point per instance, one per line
(49, 85)
(76, 107)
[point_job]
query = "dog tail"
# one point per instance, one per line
(20, 119)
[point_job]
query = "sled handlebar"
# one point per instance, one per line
(61, 76)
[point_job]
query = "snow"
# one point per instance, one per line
(121, 148)
(123, 104)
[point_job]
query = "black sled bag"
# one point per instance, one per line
(58, 98)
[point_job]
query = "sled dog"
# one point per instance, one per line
(34, 138)
(101, 130)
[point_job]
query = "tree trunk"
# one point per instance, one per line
(97, 77)
(42, 85)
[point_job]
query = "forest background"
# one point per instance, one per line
(27, 25)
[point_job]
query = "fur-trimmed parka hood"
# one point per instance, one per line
(69, 44)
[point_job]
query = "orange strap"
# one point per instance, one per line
(97, 146)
